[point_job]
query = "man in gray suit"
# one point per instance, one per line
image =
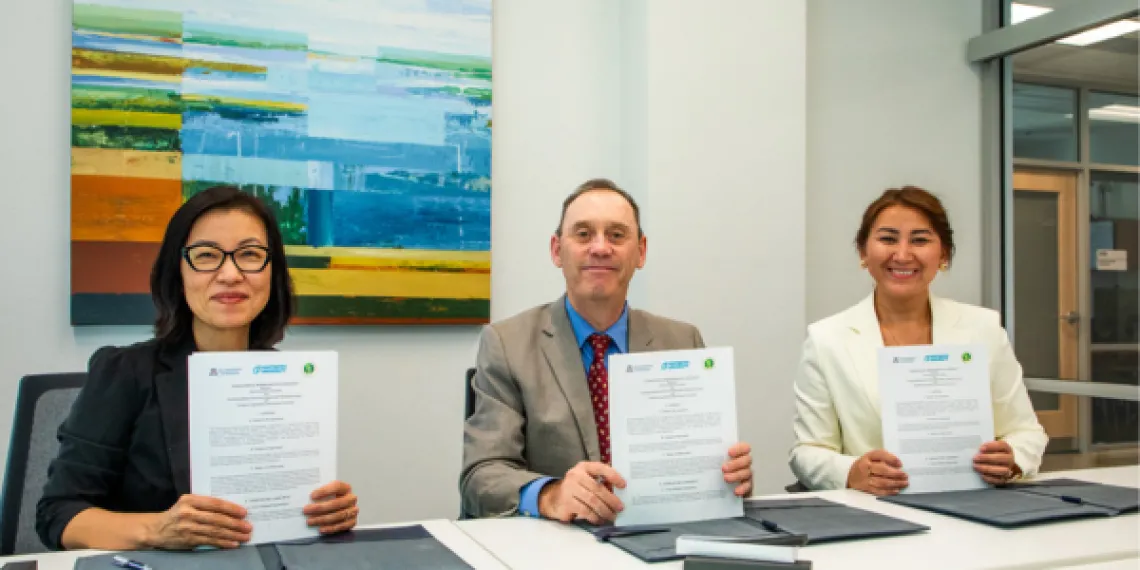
(538, 440)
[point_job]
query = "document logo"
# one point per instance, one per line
(903, 359)
(966, 357)
(213, 372)
(937, 357)
(638, 368)
(309, 368)
(224, 371)
(269, 369)
(709, 364)
(675, 365)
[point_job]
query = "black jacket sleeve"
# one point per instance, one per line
(94, 440)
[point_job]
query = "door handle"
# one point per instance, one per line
(1071, 317)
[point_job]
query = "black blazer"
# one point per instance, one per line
(124, 447)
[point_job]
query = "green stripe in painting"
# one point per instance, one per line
(125, 99)
(111, 309)
(161, 23)
(469, 66)
(286, 202)
(427, 310)
(131, 138)
(238, 36)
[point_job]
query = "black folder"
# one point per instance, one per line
(408, 547)
(790, 522)
(658, 543)
(824, 521)
(1029, 503)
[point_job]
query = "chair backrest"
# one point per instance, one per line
(469, 408)
(470, 400)
(42, 403)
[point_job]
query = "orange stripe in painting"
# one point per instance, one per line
(111, 267)
(116, 208)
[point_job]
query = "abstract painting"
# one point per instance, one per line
(364, 124)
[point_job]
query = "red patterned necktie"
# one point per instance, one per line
(599, 381)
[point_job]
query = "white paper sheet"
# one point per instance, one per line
(673, 418)
(263, 434)
(937, 413)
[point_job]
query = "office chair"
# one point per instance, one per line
(42, 403)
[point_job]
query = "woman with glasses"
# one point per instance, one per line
(121, 480)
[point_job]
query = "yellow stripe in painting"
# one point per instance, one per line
(373, 283)
(256, 103)
(127, 75)
(126, 118)
(396, 258)
(127, 163)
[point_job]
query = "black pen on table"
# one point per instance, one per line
(124, 562)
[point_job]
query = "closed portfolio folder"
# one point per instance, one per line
(825, 521)
(408, 548)
(1027, 503)
(791, 522)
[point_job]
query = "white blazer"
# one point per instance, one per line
(837, 390)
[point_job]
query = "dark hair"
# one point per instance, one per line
(173, 317)
(917, 199)
(598, 184)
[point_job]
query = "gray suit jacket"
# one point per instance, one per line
(532, 415)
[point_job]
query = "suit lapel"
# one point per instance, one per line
(946, 317)
(864, 339)
(640, 337)
(171, 386)
(562, 354)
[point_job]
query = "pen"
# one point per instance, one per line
(124, 562)
(1074, 500)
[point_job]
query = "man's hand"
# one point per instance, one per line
(582, 494)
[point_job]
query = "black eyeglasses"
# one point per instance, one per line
(247, 258)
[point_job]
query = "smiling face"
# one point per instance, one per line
(903, 253)
(599, 248)
(226, 298)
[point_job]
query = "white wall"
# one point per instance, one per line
(725, 158)
(891, 101)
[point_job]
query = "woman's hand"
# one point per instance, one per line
(195, 521)
(877, 472)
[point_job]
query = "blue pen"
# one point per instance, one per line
(124, 562)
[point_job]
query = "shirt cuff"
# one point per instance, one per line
(528, 499)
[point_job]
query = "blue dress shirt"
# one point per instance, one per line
(619, 335)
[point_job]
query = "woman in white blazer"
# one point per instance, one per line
(903, 242)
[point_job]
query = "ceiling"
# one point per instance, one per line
(1108, 65)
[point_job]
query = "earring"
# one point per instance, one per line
(862, 263)
(944, 266)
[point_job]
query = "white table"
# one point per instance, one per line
(951, 543)
(443, 530)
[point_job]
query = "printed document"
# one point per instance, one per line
(673, 418)
(263, 434)
(936, 412)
